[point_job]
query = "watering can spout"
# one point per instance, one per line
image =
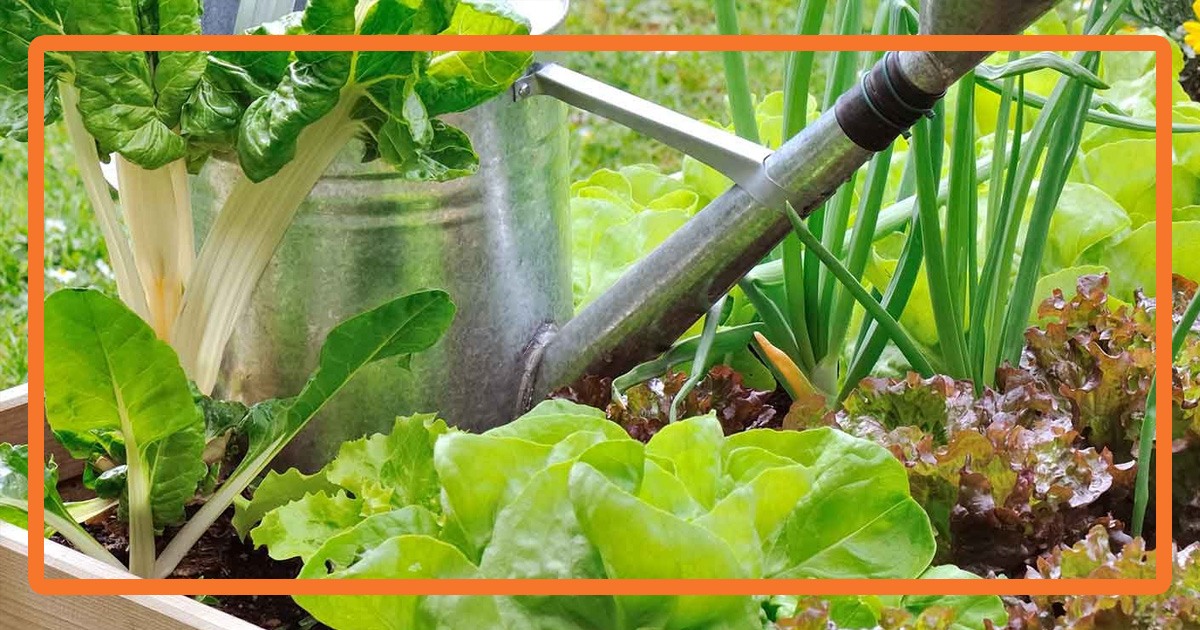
(670, 289)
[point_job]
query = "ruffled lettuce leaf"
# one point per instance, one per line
(1003, 476)
(644, 409)
(1102, 556)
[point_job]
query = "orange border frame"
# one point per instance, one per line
(599, 43)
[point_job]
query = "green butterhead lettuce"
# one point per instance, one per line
(564, 493)
(275, 490)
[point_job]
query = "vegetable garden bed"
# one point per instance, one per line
(24, 608)
(917, 358)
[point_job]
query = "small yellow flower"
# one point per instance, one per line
(1192, 33)
(1192, 28)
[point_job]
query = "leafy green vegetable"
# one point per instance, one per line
(14, 502)
(116, 394)
(287, 115)
(554, 495)
(1085, 216)
(275, 490)
(23, 21)
(393, 96)
(617, 217)
(458, 81)
(912, 611)
(130, 101)
(109, 377)
(393, 331)
(1103, 556)
(310, 89)
(1132, 259)
(644, 409)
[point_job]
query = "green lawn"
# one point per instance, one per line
(688, 82)
(75, 252)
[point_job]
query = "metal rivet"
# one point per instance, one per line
(523, 89)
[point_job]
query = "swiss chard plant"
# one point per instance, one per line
(283, 116)
(118, 398)
(562, 492)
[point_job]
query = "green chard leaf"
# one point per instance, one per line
(176, 73)
(14, 498)
(456, 81)
(395, 330)
(230, 83)
(14, 485)
(131, 101)
(310, 90)
(20, 22)
(108, 373)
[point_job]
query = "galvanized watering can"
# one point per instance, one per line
(497, 241)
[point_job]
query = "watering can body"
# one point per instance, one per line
(497, 241)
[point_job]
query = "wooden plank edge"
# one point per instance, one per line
(14, 429)
(24, 608)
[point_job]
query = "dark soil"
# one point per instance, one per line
(221, 555)
(1189, 77)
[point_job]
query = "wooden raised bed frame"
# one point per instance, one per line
(22, 608)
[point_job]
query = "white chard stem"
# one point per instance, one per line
(242, 241)
(158, 209)
(129, 284)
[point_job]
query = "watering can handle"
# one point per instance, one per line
(733, 156)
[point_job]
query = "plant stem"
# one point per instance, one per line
(963, 207)
(139, 491)
(798, 72)
(701, 359)
(741, 101)
(861, 239)
(242, 241)
(1141, 493)
(797, 80)
(945, 311)
(1060, 157)
(899, 336)
(874, 339)
(80, 539)
(158, 210)
(1185, 325)
(1099, 117)
(83, 145)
